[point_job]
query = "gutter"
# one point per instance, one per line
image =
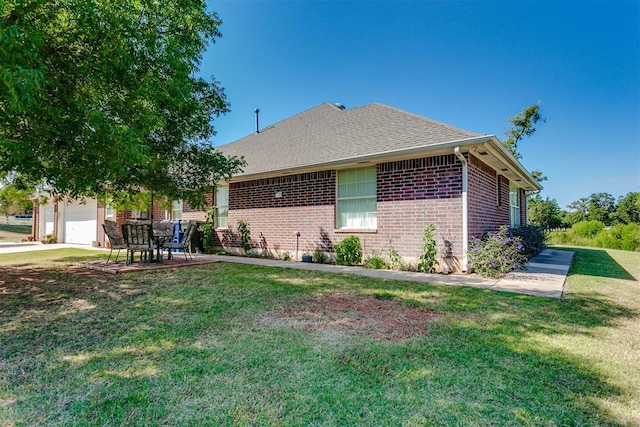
(501, 153)
(465, 206)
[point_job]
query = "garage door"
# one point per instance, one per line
(80, 225)
(48, 220)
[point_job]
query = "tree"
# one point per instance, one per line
(596, 207)
(545, 212)
(102, 96)
(14, 200)
(524, 124)
(628, 209)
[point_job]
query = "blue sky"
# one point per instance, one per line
(471, 64)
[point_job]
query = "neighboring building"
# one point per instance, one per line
(80, 221)
(373, 171)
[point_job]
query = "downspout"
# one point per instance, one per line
(465, 207)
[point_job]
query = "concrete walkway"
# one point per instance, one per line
(544, 275)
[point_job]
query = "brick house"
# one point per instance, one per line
(373, 171)
(311, 180)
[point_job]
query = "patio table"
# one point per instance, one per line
(159, 238)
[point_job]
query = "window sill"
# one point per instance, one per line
(355, 230)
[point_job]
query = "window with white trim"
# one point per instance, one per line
(357, 199)
(514, 206)
(176, 209)
(222, 207)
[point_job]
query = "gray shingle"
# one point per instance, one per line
(326, 133)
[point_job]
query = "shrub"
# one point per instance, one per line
(319, 256)
(395, 260)
(245, 235)
(349, 251)
(375, 261)
(286, 256)
(496, 253)
(428, 257)
(533, 239)
(208, 231)
(620, 236)
(587, 229)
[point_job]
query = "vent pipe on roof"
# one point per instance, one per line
(257, 111)
(340, 106)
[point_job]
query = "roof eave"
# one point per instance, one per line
(391, 155)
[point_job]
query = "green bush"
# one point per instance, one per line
(376, 262)
(319, 256)
(245, 235)
(349, 251)
(533, 239)
(208, 230)
(428, 257)
(587, 229)
(395, 260)
(497, 253)
(620, 236)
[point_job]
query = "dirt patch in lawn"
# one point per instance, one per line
(383, 319)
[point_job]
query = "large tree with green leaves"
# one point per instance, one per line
(596, 207)
(102, 96)
(523, 125)
(628, 208)
(545, 212)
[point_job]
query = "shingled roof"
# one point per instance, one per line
(328, 134)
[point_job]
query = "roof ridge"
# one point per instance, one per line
(424, 118)
(274, 124)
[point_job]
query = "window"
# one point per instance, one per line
(357, 198)
(109, 211)
(176, 210)
(514, 206)
(222, 207)
(139, 214)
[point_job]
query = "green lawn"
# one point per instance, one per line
(14, 232)
(230, 344)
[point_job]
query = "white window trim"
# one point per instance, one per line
(372, 222)
(174, 210)
(217, 207)
(514, 207)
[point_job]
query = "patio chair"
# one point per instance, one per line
(115, 238)
(185, 243)
(139, 238)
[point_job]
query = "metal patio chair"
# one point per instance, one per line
(138, 236)
(185, 243)
(116, 241)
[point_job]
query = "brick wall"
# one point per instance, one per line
(488, 201)
(410, 194)
(307, 189)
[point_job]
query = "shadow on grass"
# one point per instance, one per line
(136, 347)
(19, 229)
(597, 262)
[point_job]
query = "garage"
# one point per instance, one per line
(80, 222)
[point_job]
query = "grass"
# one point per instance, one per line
(14, 232)
(231, 344)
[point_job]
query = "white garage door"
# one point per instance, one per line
(48, 220)
(80, 225)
